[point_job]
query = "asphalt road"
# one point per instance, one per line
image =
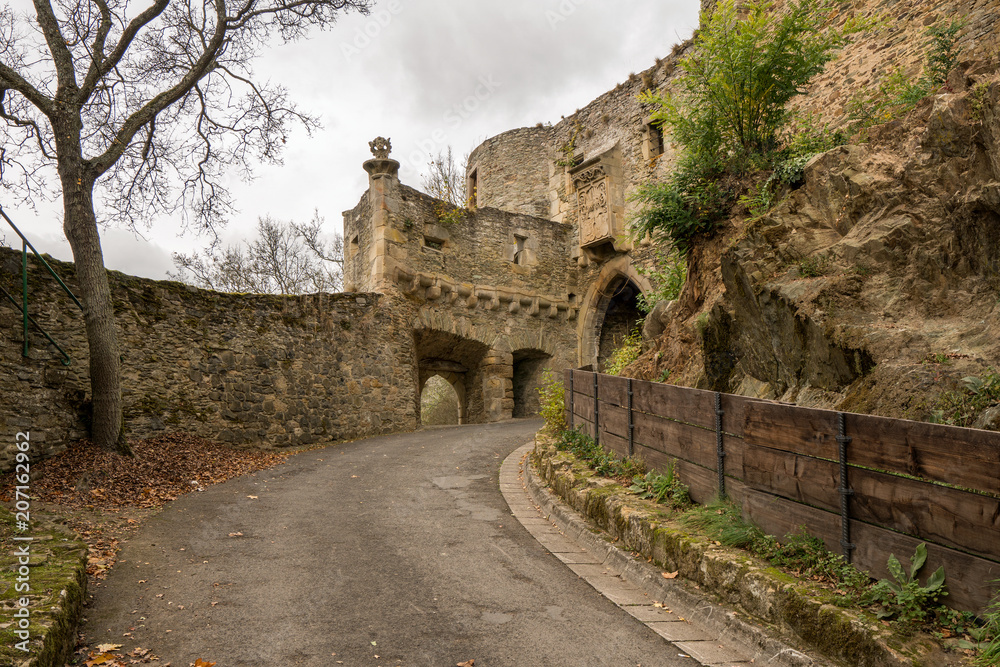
(397, 550)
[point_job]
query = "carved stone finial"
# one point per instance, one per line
(381, 147)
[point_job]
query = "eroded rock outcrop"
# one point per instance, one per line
(873, 286)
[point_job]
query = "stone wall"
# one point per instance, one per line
(259, 370)
(511, 171)
(495, 292)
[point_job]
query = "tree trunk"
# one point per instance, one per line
(80, 225)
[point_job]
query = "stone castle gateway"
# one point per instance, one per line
(538, 275)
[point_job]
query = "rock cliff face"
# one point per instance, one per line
(873, 287)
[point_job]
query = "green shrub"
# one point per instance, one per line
(668, 278)
(627, 351)
(897, 94)
(553, 406)
(943, 54)
(747, 64)
(962, 406)
(731, 110)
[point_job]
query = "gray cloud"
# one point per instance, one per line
(414, 70)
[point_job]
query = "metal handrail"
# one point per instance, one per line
(25, 317)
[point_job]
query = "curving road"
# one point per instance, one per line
(397, 550)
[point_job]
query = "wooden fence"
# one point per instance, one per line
(867, 486)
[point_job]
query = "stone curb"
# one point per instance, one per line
(771, 601)
(708, 619)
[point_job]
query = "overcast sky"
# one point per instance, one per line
(427, 74)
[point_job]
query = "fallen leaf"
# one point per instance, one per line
(251, 498)
(104, 648)
(239, 534)
(670, 575)
(201, 663)
(467, 663)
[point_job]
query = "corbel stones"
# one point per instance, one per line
(458, 295)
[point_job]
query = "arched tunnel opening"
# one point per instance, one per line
(439, 403)
(618, 315)
(459, 362)
(528, 368)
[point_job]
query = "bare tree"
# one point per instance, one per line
(285, 258)
(148, 108)
(445, 180)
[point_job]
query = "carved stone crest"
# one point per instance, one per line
(593, 204)
(381, 147)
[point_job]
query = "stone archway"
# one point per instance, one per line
(529, 364)
(609, 309)
(459, 361)
(442, 399)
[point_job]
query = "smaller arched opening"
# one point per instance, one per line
(439, 402)
(617, 316)
(528, 368)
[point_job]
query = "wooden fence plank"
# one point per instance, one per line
(799, 478)
(931, 512)
(583, 383)
(613, 389)
(971, 584)
(583, 406)
(792, 429)
(614, 443)
(734, 412)
(676, 439)
(703, 484)
(614, 420)
(963, 456)
(971, 581)
(946, 516)
(666, 400)
(780, 517)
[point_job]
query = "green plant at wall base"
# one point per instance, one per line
(667, 278)
(553, 406)
(663, 487)
(895, 96)
(604, 463)
(905, 599)
(989, 655)
(627, 351)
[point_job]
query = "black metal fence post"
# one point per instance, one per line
(571, 399)
(720, 449)
(845, 490)
(631, 424)
(597, 412)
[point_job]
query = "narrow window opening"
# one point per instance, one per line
(519, 251)
(473, 191)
